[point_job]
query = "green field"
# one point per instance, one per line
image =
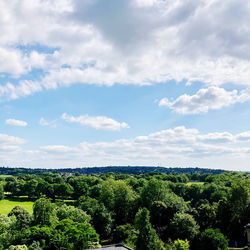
(5, 176)
(6, 205)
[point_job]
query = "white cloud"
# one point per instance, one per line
(24, 88)
(127, 42)
(44, 122)
(10, 140)
(57, 149)
(213, 98)
(244, 136)
(96, 122)
(176, 147)
(145, 3)
(14, 122)
(216, 138)
(10, 143)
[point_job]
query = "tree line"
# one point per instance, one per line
(143, 211)
(113, 169)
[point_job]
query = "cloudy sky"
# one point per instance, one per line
(125, 82)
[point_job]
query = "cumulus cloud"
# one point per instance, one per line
(10, 143)
(96, 122)
(58, 149)
(24, 88)
(213, 98)
(127, 42)
(44, 122)
(163, 144)
(179, 146)
(10, 140)
(14, 122)
(244, 136)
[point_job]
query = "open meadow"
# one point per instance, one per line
(7, 205)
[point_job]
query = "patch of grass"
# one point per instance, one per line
(5, 175)
(7, 205)
(195, 183)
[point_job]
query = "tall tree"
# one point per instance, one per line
(42, 211)
(147, 238)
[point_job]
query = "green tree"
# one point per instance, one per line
(119, 198)
(123, 232)
(41, 234)
(7, 225)
(233, 212)
(154, 190)
(73, 213)
(212, 239)
(181, 245)
(147, 238)
(72, 235)
(101, 217)
(23, 218)
(1, 192)
(80, 186)
(30, 188)
(123, 202)
(43, 212)
(183, 226)
(205, 215)
(63, 190)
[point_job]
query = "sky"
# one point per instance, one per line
(88, 83)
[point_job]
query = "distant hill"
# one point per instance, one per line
(114, 169)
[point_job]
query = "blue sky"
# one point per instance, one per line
(138, 82)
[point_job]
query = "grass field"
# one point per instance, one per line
(5, 175)
(6, 205)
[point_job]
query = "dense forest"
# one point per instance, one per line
(185, 209)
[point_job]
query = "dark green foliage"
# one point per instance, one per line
(205, 215)
(42, 234)
(43, 212)
(1, 192)
(147, 238)
(124, 233)
(212, 239)
(183, 226)
(114, 169)
(66, 234)
(233, 211)
(193, 193)
(23, 218)
(63, 190)
(70, 235)
(119, 198)
(163, 211)
(101, 217)
(154, 190)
